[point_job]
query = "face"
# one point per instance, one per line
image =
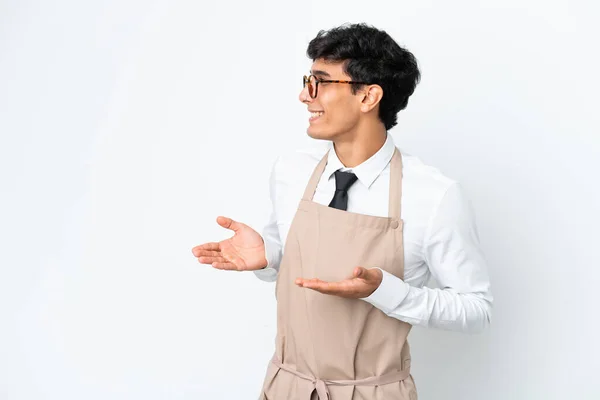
(335, 111)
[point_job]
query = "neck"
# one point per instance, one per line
(353, 150)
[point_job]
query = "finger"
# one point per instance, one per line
(210, 260)
(226, 265)
(228, 223)
(300, 281)
(346, 288)
(208, 253)
(322, 286)
(212, 246)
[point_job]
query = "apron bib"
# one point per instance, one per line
(329, 347)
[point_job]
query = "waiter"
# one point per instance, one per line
(355, 233)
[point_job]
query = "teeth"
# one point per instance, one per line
(316, 114)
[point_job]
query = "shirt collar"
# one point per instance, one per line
(369, 169)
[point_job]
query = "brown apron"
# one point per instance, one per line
(329, 347)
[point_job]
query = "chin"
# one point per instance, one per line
(318, 134)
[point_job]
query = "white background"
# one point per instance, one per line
(127, 127)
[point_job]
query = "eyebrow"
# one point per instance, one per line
(319, 72)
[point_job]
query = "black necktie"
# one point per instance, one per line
(343, 181)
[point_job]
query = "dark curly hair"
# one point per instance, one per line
(371, 55)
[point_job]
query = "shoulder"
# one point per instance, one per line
(428, 193)
(440, 198)
(430, 181)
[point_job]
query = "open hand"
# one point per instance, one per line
(245, 251)
(362, 283)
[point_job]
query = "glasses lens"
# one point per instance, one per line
(309, 81)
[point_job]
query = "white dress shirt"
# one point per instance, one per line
(440, 235)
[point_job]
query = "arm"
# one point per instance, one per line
(452, 252)
(270, 235)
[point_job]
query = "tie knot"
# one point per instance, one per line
(343, 180)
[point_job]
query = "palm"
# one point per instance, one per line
(362, 283)
(245, 251)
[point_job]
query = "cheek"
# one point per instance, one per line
(342, 112)
(335, 106)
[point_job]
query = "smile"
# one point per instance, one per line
(315, 115)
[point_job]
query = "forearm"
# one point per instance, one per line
(432, 307)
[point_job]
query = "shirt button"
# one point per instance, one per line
(394, 224)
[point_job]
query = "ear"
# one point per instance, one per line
(372, 95)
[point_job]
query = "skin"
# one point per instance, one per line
(351, 122)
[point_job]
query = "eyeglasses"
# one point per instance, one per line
(313, 84)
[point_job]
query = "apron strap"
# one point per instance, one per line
(394, 202)
(314, 179)
(321, 386)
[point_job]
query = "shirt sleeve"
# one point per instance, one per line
(452, 252)
(270, 235)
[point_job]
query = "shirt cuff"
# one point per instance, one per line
(390, 293)
(269, 273)
(266, 274)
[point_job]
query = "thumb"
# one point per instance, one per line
(367, 274)
(360, 272)
(228, 223)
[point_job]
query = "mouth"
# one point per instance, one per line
(314, 115)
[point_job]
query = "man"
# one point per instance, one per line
(356, 232)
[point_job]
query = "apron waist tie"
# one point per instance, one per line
(321, 385)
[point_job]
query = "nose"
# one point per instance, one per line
(304, 97)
